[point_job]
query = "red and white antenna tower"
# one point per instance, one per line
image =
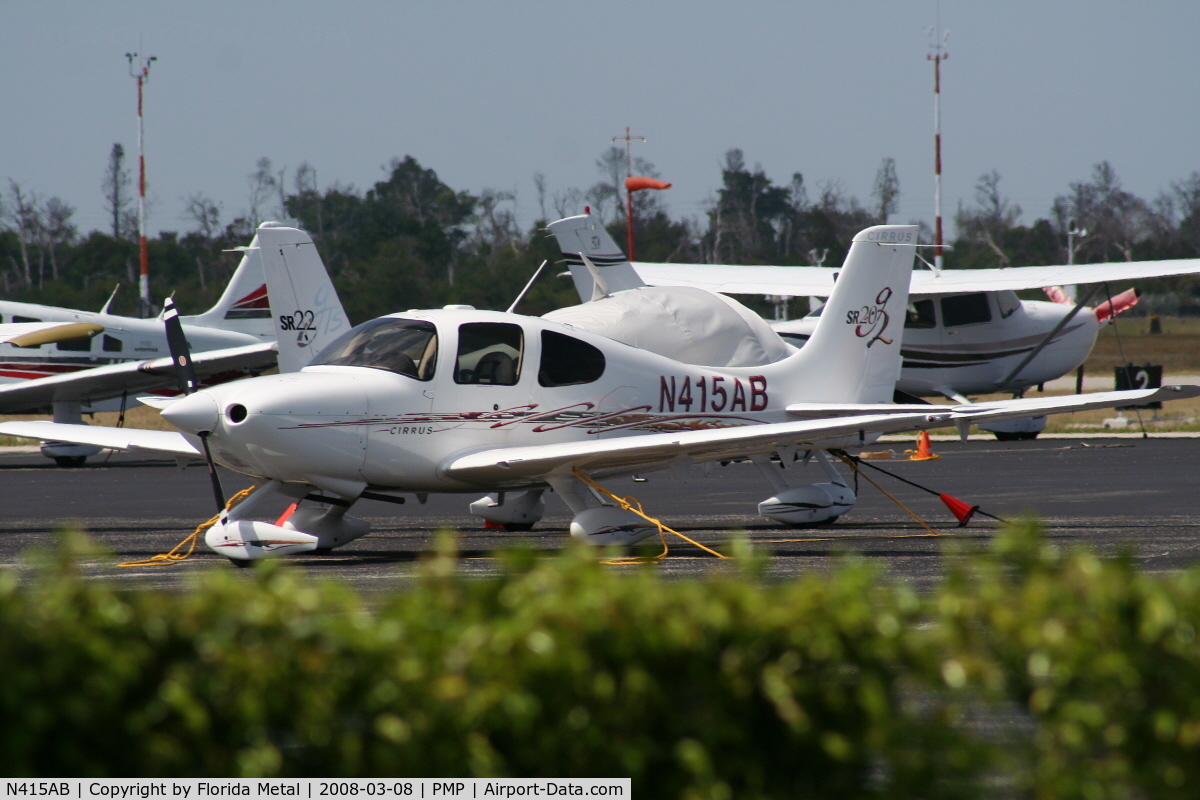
(142, 75)
(939, 54)
(628, 194)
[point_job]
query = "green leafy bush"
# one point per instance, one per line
(1104, 658)
(724, 687)
(1028, 673)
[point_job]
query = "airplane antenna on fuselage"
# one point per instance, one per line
(521, 296)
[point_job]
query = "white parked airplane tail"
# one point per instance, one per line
(611, 270)
(243, 306)
(304, 305)
(853, 355)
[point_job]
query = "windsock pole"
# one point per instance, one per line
(628, 194)
(142, 75)
(937, 56)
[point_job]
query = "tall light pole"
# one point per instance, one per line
(142, 75)
(628, 194)
(937, 56)
(1073, 232)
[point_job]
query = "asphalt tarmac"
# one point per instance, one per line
(1108, 494)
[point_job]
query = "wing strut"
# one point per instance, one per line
(1062, 323)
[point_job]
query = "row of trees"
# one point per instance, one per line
(412, 241)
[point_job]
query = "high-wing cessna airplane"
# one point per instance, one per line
(965, 332)
(464, 401)
(78, 362)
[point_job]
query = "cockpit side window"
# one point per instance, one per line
(1008, 302)
(965, 309)
(920, 315)
(566, 361)
(404, 346)
(489, 353)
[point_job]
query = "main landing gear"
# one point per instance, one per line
(815, 504)
(516, 511)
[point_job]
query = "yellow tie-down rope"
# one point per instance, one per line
(174, 556)
(633, 504)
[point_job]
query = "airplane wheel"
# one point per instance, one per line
(1023, 436)
(829, 521)
(518, 526)
(70, 461)
(241, 563)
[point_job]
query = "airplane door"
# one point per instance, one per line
(489, 367)
(923, 350)
(971, 331)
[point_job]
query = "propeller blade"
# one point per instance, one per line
(182, 358)
(177, 343)
(218, 493)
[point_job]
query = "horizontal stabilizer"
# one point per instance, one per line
(35, 334)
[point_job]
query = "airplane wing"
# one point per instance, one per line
(134, 439)
(130, 377)
(818, 281)
(502, 466)
(731, 279)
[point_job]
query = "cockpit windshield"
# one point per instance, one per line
(406, 346)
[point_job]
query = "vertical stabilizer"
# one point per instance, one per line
(243, 306)
(853, 355)
(305, 307)
(585, 234)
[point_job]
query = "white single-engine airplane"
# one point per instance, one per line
(73, 362)
(965, 332)
(465, 401)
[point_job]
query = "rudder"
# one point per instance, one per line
(853, 355)
(586, 234)
(243, 306)
(307, 314)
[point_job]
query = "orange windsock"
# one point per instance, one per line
(1122, 302)
(638, 182)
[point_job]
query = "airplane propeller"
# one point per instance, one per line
(181, 357)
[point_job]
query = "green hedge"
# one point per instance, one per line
(1028, 672)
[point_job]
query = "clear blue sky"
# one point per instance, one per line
(488, 93)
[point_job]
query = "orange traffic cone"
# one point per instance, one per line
(922, 453)
(961, 511)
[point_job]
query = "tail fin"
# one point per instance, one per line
(853, 355)
(243, 306)
(585, 235)
(304, 305)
